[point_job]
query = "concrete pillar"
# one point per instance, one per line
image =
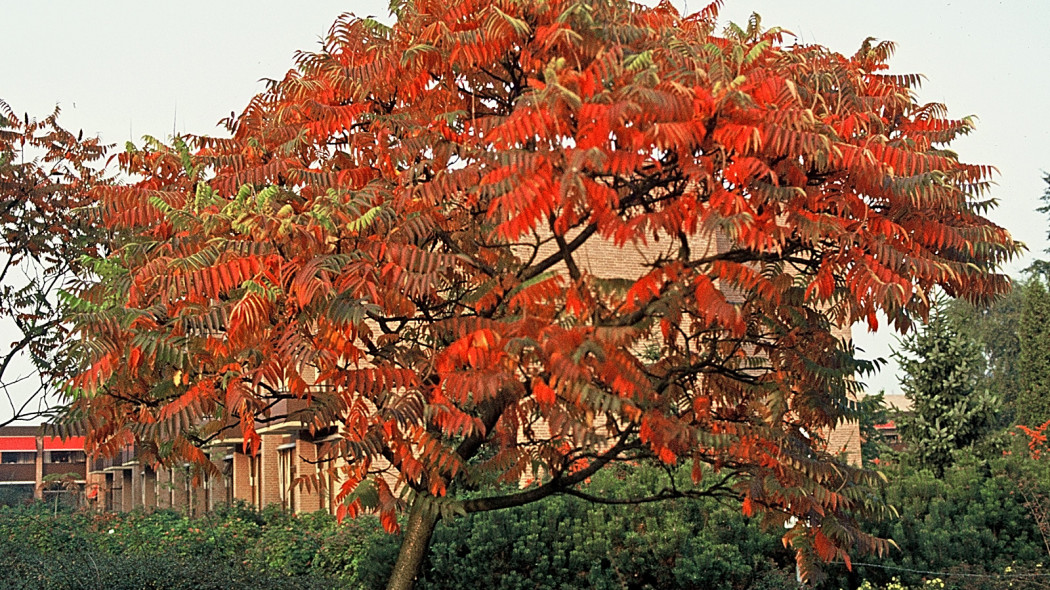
(95, 490)
(332, 478)
(216, 483)
(149, 489)
(163, 487)
(180, 499)
(38, 489)
(127, 501)
(109, 503)
(136, 486)
(198, 499)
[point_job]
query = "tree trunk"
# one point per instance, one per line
(414, 548)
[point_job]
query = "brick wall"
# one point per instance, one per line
(242, 488)
(270, 482)
(307, 499)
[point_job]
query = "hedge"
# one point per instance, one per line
(975, 528)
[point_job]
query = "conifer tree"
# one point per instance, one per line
(996, 329)
(942, 376)
(1033, 364)
(1032, 403)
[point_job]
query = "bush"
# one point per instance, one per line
(567, 543)
(358, 553)
(160, 550)
(974, 523)
(93, 570)
(974, 520)
(561, 542)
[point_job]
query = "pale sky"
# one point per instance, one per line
(122, 69)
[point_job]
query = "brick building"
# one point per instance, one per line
(31, 463)
(266, 478)
(897, 404)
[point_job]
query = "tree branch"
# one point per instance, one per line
(558, 484)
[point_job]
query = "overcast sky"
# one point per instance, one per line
(122, 69)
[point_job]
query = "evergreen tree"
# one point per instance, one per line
(943, 377)
(1032, 403)
(996, 329)
(873, 411)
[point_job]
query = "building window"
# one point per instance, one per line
(227, 478)
(66, 457)
(286, 475)
(18, 457)
(255, 479)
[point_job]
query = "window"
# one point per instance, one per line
(286, 475)
(66, 457)
(17, 457)
(254, 479)
(227, 478)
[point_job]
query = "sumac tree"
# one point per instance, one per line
(46, 172)
(413, 231)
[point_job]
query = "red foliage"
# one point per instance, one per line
(1036, 438)
(420, 216)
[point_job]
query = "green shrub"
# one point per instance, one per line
(567, 543)
(161, 549)
(101, 571)
(974, 520)
(358, 553)
(973, 523)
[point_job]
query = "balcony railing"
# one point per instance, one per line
(18, 472)
(80, 469)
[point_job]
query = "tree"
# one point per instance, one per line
(1033, 364)
(397, 232)
(45, 174)
(997, 330)
(942, 376)
(873, 411)
(1031, 405)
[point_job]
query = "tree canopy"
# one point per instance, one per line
(46, 172)
(408, 231)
